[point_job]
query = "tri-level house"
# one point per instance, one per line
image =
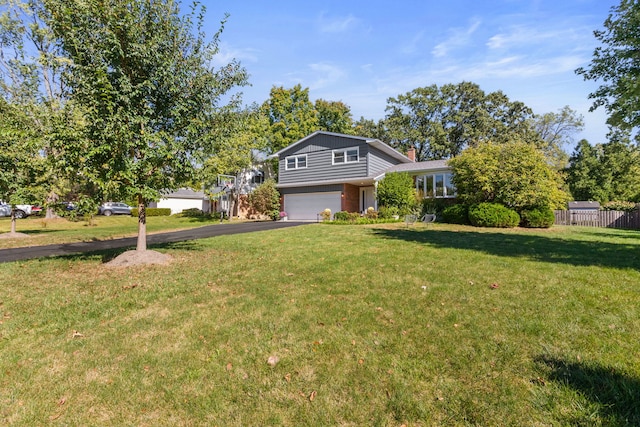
(340, 172)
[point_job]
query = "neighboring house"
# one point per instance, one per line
(340, 172)
(217, 199)
(184, 198)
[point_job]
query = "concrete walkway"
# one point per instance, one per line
(18, 254)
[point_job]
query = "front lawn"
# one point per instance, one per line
(363, 325)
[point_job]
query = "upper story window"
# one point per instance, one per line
(257, 178)
(436, 185)
(296, 162)
(347, 155)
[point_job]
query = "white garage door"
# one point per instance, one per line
(307, 206)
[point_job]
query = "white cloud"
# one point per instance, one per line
(336, 25)
(227, 53)
(325, 75)
(458, 37)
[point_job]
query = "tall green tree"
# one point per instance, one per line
(439, 122)
(515, 174)
(290, 115)
(616, 65)
(556, 131)
(605, 172)
(334, 116)
(30, 80)
(141, 74)
(371, 129)
(21, 165)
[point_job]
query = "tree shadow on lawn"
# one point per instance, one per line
(532, 247)
(107, 255)
(615, 393)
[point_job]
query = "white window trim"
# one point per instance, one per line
(344, 152)
(296, 157)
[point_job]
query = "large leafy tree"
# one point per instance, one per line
(616, 64)
(605, 172)
(556, 130)
(334, 116)
(441, 121)
(290, 116)
(515, 174)
(30, 81)
(141, 74)
(21, 165)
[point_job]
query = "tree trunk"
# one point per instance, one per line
(13, 220)
(52, 198)
(142, 225)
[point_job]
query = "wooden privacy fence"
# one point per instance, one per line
(595, 218)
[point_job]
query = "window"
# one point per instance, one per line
(436, 185)
(348, 155)
(296, 162)
(257, 178)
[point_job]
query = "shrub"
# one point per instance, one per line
(386, 212)
(371, 213)
(192, 213)
(265, 199)
(619, 206)
(153, 212)
(341, 216)
(537, 217)
(397, 190)
(326, 215)
(493, 215)
(456, 214)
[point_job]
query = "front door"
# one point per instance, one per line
(367, 198)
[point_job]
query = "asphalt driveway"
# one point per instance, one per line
(19, 254)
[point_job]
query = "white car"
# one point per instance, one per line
(22, 211)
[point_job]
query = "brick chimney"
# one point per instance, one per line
(411, 154)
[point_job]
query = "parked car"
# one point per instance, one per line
(114, 208)
(22, 211)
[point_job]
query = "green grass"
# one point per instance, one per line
(43, 231)
(382, 325)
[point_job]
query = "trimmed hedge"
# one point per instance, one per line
(153, 212)
(456, 214)
(537, 218)
(493, 215)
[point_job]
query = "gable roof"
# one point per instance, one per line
(372, 142)
(184, 193)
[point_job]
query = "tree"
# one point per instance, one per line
(439, 122)
(334, 116)
(396, 190)
(141, 74)
(21, 165)
(514, 174)
(31, 67)
(290, 115)
(616, 64)
(371, 129)
(605, 172)
(556, 130)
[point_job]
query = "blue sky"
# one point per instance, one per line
(362, 53)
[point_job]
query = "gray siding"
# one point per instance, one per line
(319, 151)
(379, 161)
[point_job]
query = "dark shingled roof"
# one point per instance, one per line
(584, 205)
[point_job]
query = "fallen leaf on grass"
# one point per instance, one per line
(77, 334)
(494, 286)
(312, 396)
(287, 378)
(62, 401)
(273, 361)
(229, 366)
